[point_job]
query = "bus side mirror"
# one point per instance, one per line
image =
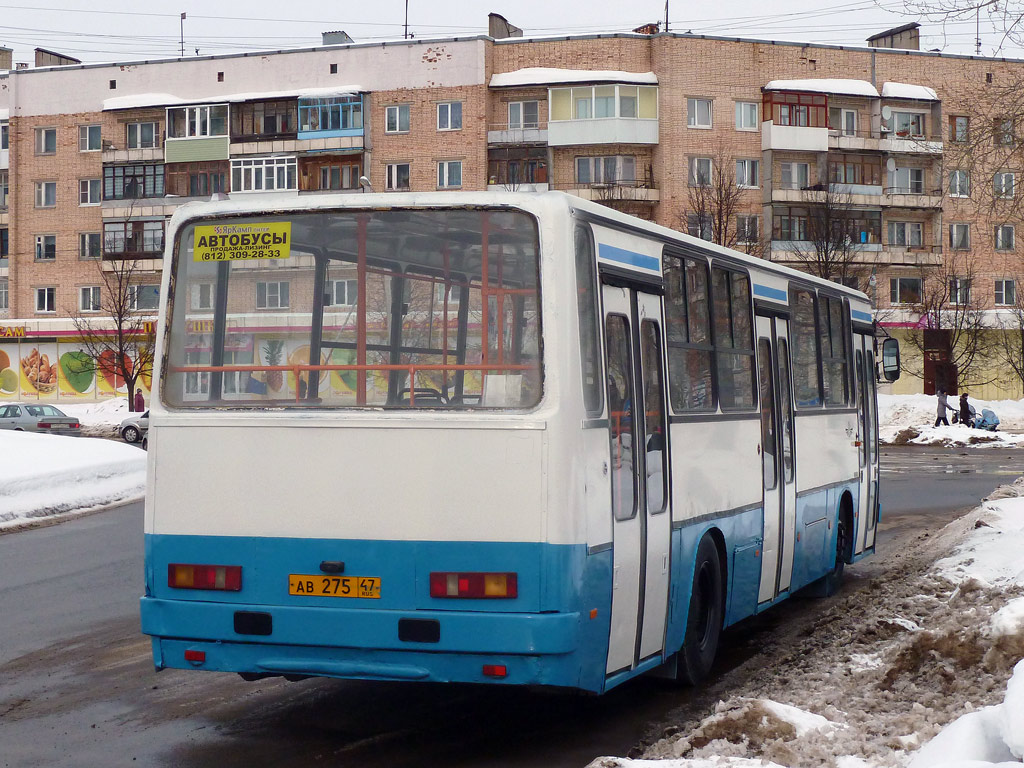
(890, 359)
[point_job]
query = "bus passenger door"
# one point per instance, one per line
(638, 465)
(867, 427)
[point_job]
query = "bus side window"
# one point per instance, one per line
(804, 339)
(586, 302)
(688, 331)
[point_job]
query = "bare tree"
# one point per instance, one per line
(1004, 18)
(118, 339)
(831, 244)
(714, 199)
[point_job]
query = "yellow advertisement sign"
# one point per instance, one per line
(238, 242)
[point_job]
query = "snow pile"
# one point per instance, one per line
(928, 671)
(44, 475)
(101, 418)
(904, 419)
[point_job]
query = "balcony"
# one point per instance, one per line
(614, 191)
(503, 133)
(793, 137)
(884, 141)
(342, 144)
(902, 197)
(911, 255)
(845, 194)
(602, 130)
(518, 187)
(111, 154)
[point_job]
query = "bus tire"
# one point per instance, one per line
(705, 617)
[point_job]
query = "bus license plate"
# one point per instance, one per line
(318, 585)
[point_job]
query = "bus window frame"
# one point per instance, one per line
(584, 229)
(751, 350)
(708, 347)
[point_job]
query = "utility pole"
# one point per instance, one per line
(183, 34)
(406, 34)
(666, 15)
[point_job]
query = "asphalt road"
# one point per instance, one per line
(77, 686)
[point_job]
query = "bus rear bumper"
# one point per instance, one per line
(534, 649)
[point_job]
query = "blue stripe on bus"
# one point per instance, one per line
(858, 315)
(770, 293)
(632, 258)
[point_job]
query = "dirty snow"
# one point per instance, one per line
(101, 418)
(46, 475)
(917, 664)
(904, 419)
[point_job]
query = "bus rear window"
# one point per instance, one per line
(397, 308)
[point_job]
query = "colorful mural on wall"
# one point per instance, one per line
(55, 371)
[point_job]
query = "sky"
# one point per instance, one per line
(126, 30)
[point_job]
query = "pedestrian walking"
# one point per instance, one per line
(140, 401)
(965, 411)
(942, 407)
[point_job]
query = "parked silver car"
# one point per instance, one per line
(134, 427)
(38, 417)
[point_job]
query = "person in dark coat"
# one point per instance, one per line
(140, 401)
(943, 406)
(965, 411)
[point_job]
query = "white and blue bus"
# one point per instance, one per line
(486, 437)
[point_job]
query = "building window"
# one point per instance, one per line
(795, 175)
(5, 302)
(906, 124)
(748, 228)
(333, 113)
(143, 135)
(959, 290)
(197, 122)
(523, 114)
(613, 169)
(4, 243)
(789, 224)
(202, 296)
(89, 245)
(855, 169)
(700, 171)
(343, 293)
(46, 141)
(90, 191)
(46, 299)
(806, 110)
(843, 120)
(46, 194)
(397, 176)
(449, 173)
(1005, 237)
(698, 113)
(396, 119)
(134, 238)
(1006, 293)
(746, 116)
(89, 138)
(959, 184)
(958, 127)
(906, 233)
(1003, 130)
(1003, 184)
(272, 295)
(449, 116)
(907, 181)
(4, 189)
(339, 176)
(748, 173)
(700, 225)
(129, 182)
(46, 247)
(960, 236)
(4, 135)
(196, 179)
(264, 174)
(905, 290)
(263, 118)
(89, 298)
(603, 101)
(143, 297)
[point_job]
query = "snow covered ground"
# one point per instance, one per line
(99, 419)
(46, 475)
(930, 674)
(906, 419)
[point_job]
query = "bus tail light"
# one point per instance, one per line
(495, 670)
(227, 578)
(473, 585)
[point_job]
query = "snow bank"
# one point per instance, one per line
(45, 475)
(99, 419)
(908, 91)
(909, 419)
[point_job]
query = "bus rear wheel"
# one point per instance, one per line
(705, 618)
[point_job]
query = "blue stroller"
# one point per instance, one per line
(988, 420)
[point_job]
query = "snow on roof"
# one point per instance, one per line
(5, 114)
(825, 85)
(907, 91)
(550, 75)
(167, 99)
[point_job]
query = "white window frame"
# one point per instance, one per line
(397, 111)
(521, 122)
(90, 192)
(741, 123)
(198, 117)
(83, 245)
(345, 288)
(41, 142)
(908, 232)
(5, 187)
(5, 297)
(136, 129)
(892, 124)
(197, 296)
(48, 305)
(959, 291)
(750, 168)
(5, 135)
(597, 169)
(1001, 298)
(693, 116)
(1005, 237)
(46, 194)
(695, 171)
(133, 297)
(959, 183)
(446, 177)
(1004, 184)
(41, 248)
(264, 174)
(960, 243)
(915, 178)
(743, 232)
(272, 294)
(447, 116)
(86, 135)
(792, 169)
(89, 298)
(847, 122)
(391, 177)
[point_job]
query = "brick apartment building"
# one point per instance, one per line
(95, 158)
